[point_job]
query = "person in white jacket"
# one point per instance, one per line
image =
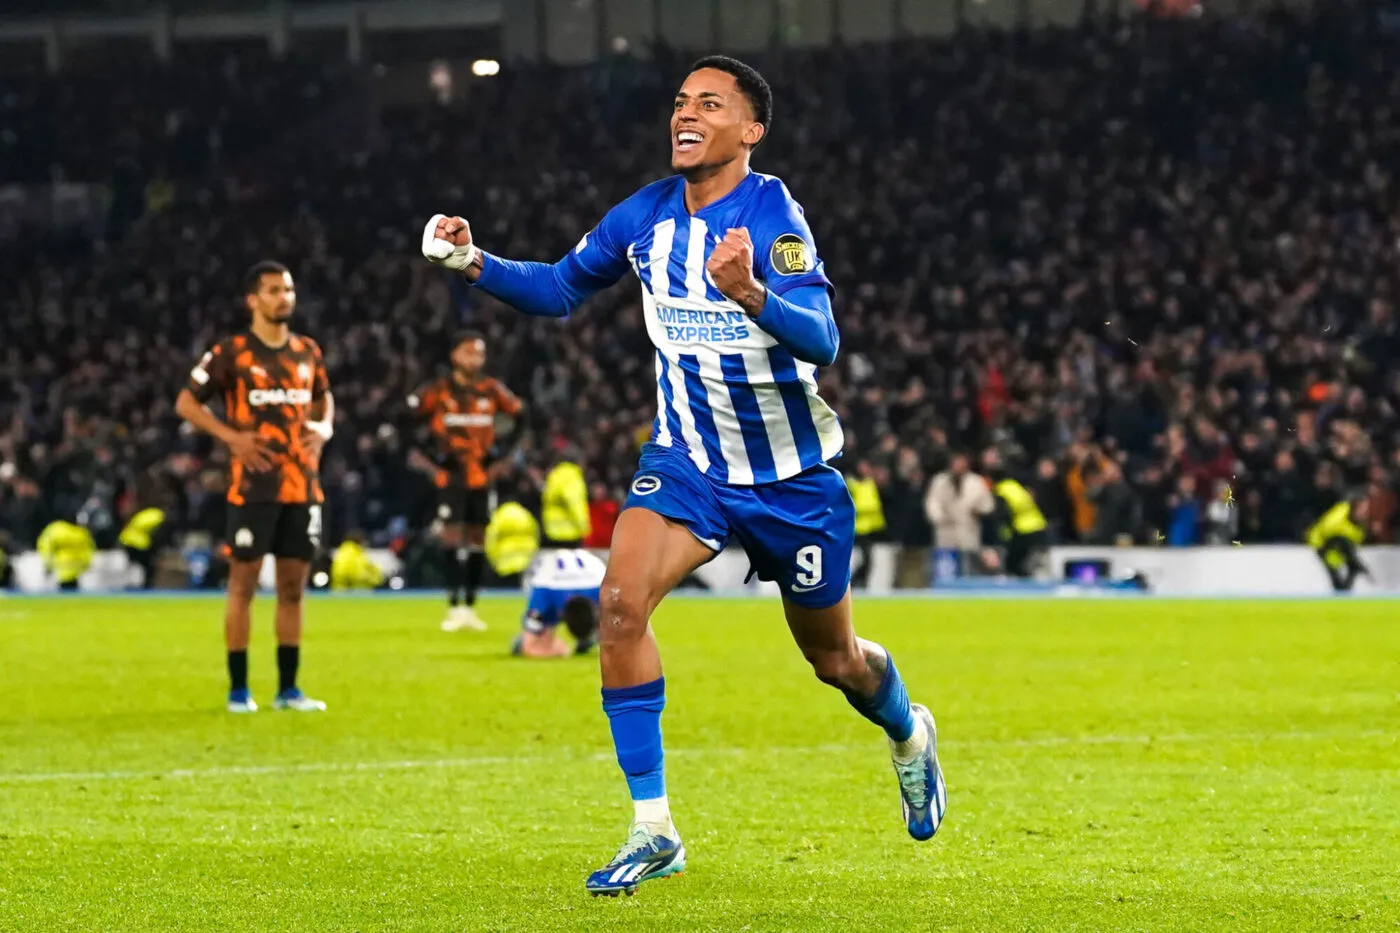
(955, 503)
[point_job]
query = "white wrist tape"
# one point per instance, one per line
(444, 252)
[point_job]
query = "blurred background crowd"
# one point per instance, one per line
(1149, 269)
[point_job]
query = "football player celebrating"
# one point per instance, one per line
(277, 415)
(738, 307)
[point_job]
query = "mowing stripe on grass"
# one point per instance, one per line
(486, 761)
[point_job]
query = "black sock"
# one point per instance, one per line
(452, 574)
(238, 670)
(288, 660)
(476, 563)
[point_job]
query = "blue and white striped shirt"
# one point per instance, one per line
(566, 570)
(731, 394)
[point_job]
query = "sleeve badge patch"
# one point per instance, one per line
(790, 255)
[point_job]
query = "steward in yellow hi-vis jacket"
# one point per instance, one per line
(512, 539)
(66, 550)
(351, 567)
(564, 506)
(864, 488)
(1024, 530)
(1336, 537)
(140, 538)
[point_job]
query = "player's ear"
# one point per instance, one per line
(753, 134)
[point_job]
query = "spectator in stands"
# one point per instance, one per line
(1117, 509)
(603, 510)
(1150, 274)
(908, 525)
(1222, 519)
(957, 501)
(1048, 490)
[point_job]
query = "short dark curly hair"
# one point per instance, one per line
(580, 615)
(465, 336)
(252, 279)
(751, 84)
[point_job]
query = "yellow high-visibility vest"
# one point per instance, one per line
(1026, 517)
(870, 511)
(66, 550)
(352, 569)
(564, 504)
(1335, 523)
(138, 530)
(512, 539)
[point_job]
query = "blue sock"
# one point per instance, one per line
(634, 713)
(889, 707)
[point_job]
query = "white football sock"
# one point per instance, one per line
(655, 815)
(912, 747)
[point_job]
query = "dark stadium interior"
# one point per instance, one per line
(347, 583)
(1153, 263)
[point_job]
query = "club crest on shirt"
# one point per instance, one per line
(790, 255)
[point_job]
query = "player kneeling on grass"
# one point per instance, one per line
(563, 589)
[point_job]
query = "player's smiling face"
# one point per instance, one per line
(712, 122)
(275, 298)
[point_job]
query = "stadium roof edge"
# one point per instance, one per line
(274, 23)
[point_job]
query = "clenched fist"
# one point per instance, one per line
(731, 269)
(447, 241)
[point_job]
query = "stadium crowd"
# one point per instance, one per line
(1153, 266)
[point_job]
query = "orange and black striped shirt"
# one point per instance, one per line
(270, 390)
(463, 419)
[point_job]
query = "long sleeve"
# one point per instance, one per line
(578, 505)
(539, 288)
(554, 290)
(802, 322)
(933, 501)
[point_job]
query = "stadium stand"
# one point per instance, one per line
(1153, 264)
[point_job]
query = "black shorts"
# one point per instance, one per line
(458, 505)
(260, 528)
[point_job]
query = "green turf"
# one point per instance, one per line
(1112, 765)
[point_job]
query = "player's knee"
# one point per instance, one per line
(242, 587)
(289, 592)
(840, 669)
(622, 612)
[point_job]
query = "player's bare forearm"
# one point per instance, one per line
(321, 420)
(323, 410)
(246, 446)
(189, 408)
(751, 296)
(472, 271)
(320, 424)
(802, 324)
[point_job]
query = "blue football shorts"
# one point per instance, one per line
(545, 608)
(798, 531)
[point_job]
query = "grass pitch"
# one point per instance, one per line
(1112, 765)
